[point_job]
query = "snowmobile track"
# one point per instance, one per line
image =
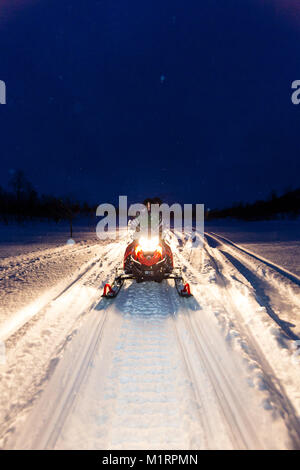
(275, 388)
(50, 422)
(241, 432)
(225, 241)
(63, 408)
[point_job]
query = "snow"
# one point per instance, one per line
(30, 279)
(149, 370)
(276, 240)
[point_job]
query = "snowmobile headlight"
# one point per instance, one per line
(149, 244)
(138, 249)
(159, 249)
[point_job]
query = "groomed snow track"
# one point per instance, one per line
(150, 370)
(162, 370)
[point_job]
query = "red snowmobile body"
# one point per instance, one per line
(147, 262)
(152, 264)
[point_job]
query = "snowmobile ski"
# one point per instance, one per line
(111, 291)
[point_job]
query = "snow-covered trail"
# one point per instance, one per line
(150, 370)
(258, 309)
(40, 334)
(146, 376)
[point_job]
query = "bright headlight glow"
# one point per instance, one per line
(149, 244)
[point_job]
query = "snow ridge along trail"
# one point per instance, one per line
(150, 370)
(34, 351)
(44, 276)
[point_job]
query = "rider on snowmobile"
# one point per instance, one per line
(149, 219)
(154, 218)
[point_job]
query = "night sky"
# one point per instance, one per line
(190, 101)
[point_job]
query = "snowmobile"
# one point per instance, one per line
(147, 259)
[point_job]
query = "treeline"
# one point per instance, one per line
(22, 202)
(287, 205)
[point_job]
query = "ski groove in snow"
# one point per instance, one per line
(284, 272)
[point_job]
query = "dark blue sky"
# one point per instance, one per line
(187, 100)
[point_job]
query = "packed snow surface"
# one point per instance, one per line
(148, 370)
